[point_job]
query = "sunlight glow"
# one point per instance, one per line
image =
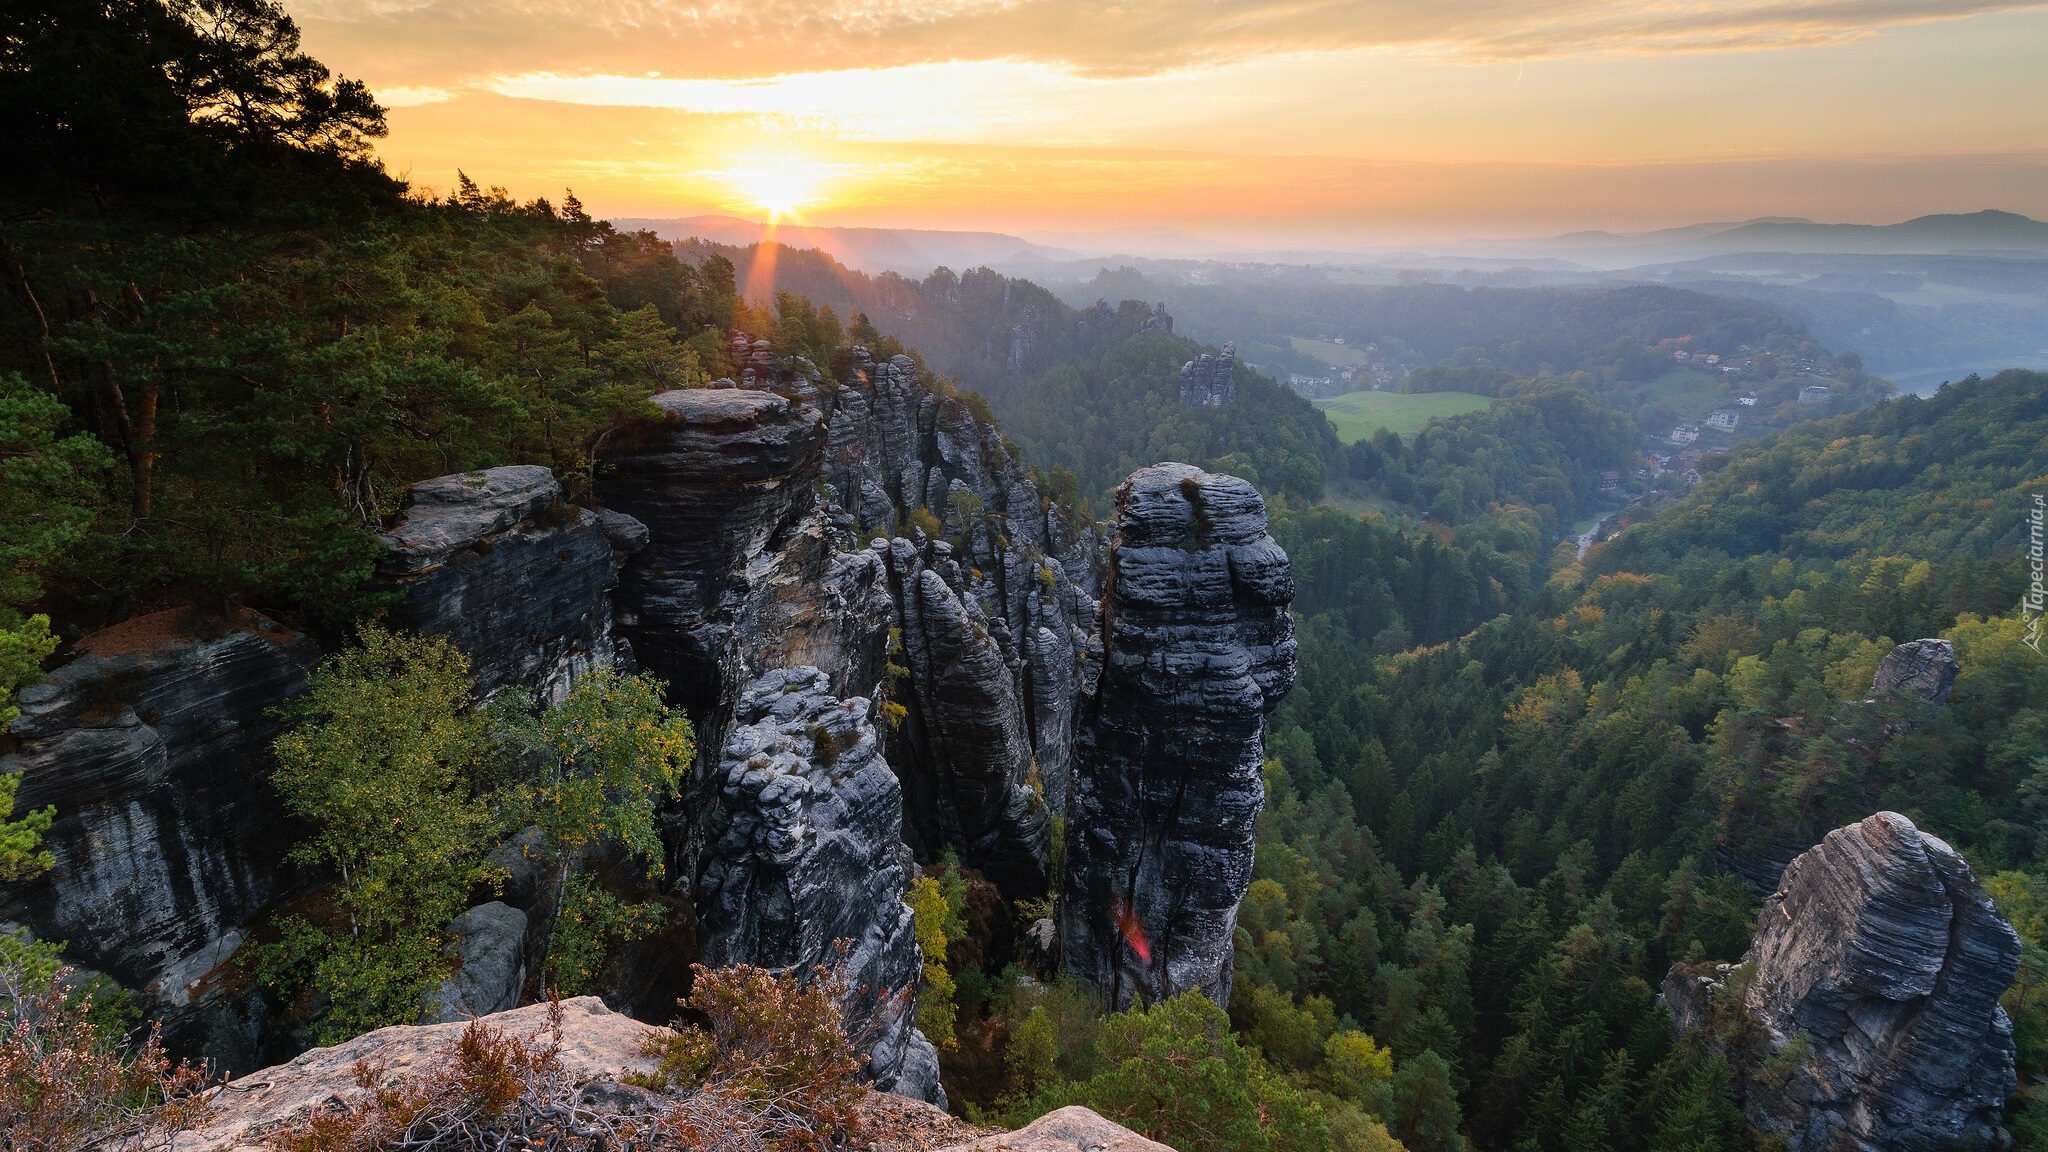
(780, 186)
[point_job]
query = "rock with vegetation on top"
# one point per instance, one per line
(806, 865)
(1926, 668)
(153, 744)
(1874, 983)
(513, 574)
(1198, 650)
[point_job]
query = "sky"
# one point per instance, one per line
(1247, 121)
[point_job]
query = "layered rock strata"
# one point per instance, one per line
(743, 571)
(1877, 968)
(153, 745)
(807, 866)
(519, 579)
(1197, 650)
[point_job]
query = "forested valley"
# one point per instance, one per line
(1514, 783)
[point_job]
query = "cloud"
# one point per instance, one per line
(454, 42)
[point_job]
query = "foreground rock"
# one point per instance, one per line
(1197, 650)
(597, 1044)
(153, 744)
(599, 1048)
(807, 858)
(1070, 1129)
(1878, 965)
(1925, 668)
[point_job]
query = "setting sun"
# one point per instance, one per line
(780, 186)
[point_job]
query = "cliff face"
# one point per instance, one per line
(807, 853)
(153, 743)
(1026, 563)
(516, 577)
(1878, 964)
(1197, 650)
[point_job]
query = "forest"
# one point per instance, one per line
(1512, 785)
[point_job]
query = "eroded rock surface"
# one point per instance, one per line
(1925, 668)
(519, 579)
(1197, 650)
(1069, 1129)
(153, 744)
(806, 856)
(1878, 965)
(1210, 381)
(1027, 565)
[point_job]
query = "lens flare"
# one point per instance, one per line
(1126, 918)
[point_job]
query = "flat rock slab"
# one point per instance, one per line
(1070, 1129)
(597, 1043)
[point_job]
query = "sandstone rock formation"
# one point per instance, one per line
(806, 859)
(742, 572)
(1878, 965)
(1926, 668)
(597, 1044)
(490, 964)
(1069, 1129)
(1028, 563)
(153, 744)
(1197, 650)
(515, 576)
(1208, 381)
(598, 1049)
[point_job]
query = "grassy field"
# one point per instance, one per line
(1690, 392)
(1342, 355)
(1357, 415)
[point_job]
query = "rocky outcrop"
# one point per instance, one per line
(599, 1051)
(1876, 973)
(514, 575)
(1025, 565)
(1210, 381)
(1069, 1129)
(153, 745)
(743, 571)
(806, 865)
(1197, 650)
(1925, 668)
(597, 1044)
(963, 752)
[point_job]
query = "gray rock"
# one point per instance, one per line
(1882, 960)
(515, 576)
(490, 968)
(153, 744)
(1209, 381)
(807, 861)
(1197, 650)
(1926, 668)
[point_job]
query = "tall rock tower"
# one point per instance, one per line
(1197, 650)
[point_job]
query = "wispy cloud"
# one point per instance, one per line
(450, 42)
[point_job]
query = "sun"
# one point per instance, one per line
(781, 186)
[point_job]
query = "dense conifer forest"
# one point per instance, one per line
(1513, 784)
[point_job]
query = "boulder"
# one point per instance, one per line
(490, 970)
(1925, 668)
(1198, 650)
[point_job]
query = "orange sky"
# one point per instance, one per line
(1252, 120)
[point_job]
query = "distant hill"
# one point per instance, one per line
(909, 250)
(1989, 230)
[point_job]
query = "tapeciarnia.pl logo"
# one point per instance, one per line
(2036, 601)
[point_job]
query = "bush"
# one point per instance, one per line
(773, 1068)
(67, 1082)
